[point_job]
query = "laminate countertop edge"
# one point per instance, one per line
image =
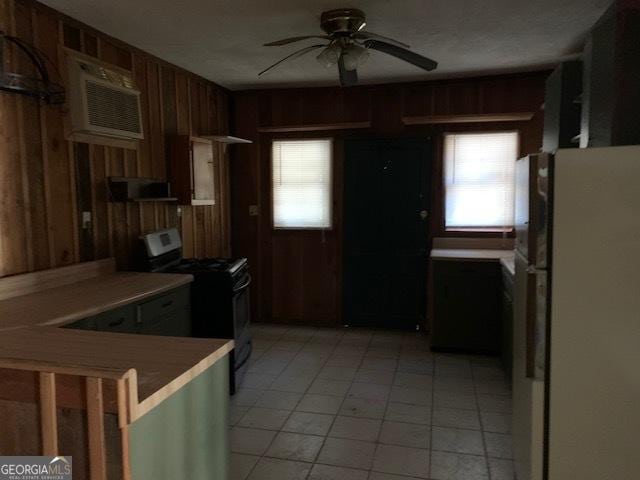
(471, 254)
(509, 264)
(505, 257)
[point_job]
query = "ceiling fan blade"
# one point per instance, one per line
(295, 54)
(364, 35)
(286, 41)
(403, 54)
(348, 78)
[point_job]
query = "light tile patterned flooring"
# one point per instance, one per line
(354, 404)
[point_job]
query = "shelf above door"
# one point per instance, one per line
(473, 118)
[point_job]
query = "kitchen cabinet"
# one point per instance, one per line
(506, 344)
(84, 324)
(562, 107)
(122, 320)
(611, 98)
(174, 324)
(466, 306)
(192, 169)
(166, 314)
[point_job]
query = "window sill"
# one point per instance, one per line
(479, 230)
(302, 229)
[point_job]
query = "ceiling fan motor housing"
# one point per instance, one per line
(343, 21)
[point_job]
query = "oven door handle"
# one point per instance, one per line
(247, 356)
(244, 285)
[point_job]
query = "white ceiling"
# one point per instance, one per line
(222, 39)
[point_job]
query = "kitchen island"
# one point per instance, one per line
(122, 405)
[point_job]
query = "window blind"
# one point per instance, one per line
(479, 179)
(301, 183)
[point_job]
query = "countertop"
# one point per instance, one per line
(33, 305)
(64, 304)
(509, 263)
(505, 257)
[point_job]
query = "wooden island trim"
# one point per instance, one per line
(45, 369)
(101, 373)
(154, 367)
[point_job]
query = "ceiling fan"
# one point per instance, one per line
(349, 44)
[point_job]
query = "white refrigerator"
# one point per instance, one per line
(576, 411)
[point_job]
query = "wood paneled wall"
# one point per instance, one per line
(298, 273)
(47, 178)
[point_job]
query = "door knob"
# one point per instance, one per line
(424, 214)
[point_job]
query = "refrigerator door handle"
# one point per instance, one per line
(536, 324)
(541, 325)
(530, 329)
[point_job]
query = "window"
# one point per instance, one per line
(479, 180)
(301, 183)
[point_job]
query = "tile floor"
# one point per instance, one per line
(352, 404)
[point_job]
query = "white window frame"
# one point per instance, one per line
(330, 184)
(471, 229)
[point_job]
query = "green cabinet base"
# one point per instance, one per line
(186, 436)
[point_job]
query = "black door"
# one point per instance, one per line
(386, 202)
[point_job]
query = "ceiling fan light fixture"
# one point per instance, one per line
(329, 56)
(349, 44)
(354, 56)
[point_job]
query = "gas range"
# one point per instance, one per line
(220, 265)
(219, 294)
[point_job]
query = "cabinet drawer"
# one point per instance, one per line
(176, 323)
(159, 306)
(467, 267)
(121, 320)
(84, 324)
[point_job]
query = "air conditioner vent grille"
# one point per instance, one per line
(112, 108)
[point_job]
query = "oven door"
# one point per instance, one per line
(241, 321)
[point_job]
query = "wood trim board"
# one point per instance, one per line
(48, 413)
(470, 118)
(316, 127)
(95, 429)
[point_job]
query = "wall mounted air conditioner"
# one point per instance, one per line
(103, 101)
